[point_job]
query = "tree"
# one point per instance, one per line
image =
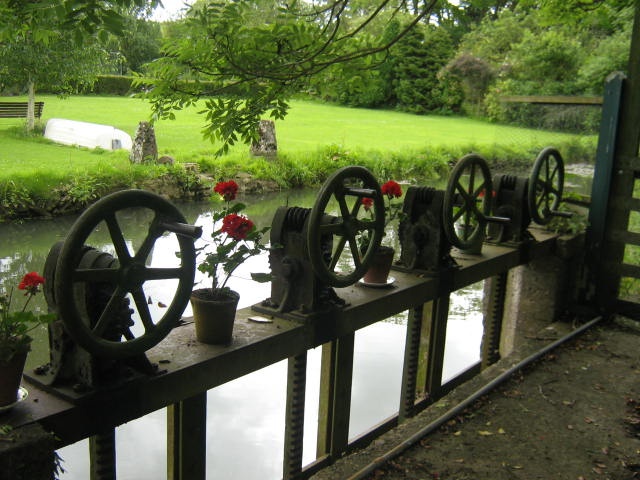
(474, 74)
(44, 18)
(141, 44)
(535, 48)
(246, 58)
(365, 82)
(420, 56)
(59, 66)
(460, 17)
(54, 41)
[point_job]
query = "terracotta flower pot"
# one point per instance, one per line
(11, 375)
(380, 266)
(214, 316)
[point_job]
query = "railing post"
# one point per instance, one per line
(336, 376)
(294, 421)
(102, 455)
(437, 339)
(411, 362)
(187, 438)
(605, 285)
(495, 289)
(615, 178)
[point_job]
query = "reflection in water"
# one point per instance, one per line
(245, 416)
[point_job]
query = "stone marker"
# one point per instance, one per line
(145, 148)
(267, 146)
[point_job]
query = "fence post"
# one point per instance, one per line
(102, 455)
(294, 421)
(187, 438)
(435, 354)
(411, 363)
(495, 291)
(334, 411)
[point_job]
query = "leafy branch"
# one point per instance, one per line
(246, 59)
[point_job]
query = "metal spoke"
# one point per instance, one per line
(109, 312)
(143, 309)
(161, 273)
(337, 252)
(147, 244)
(119, 243)
(336, 228)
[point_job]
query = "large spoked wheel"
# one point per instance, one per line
(125, 276)
(467, 202)
(347, 187)
(545, 186)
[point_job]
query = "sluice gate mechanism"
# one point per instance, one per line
(107, 345)
(315, 250)
(105, 321)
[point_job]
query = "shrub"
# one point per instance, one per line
(113, 85)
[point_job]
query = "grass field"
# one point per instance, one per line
(308, 127)
(313, 140)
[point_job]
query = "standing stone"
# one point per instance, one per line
(266, 146)
(145, 148)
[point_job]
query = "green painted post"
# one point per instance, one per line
(619, 158)
(336, 376)
(426, 322)
(187, 439)
(605, 287)
(437, 338)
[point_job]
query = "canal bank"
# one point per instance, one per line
(573, 414)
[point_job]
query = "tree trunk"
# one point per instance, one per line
(31, 107)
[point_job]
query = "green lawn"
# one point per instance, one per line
(310, 140)
(308, 126)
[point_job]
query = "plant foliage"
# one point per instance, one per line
(16, 325)
(257, 55)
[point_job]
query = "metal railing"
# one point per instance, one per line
(193, 368)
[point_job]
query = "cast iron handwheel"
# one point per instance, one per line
(347, 226)
(467, 200)
(128, 277)
(545, 186)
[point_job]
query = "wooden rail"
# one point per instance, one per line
(552, 99)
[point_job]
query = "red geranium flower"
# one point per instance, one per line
(391, 189)
(367, 203)
(227, 190)
(236, 226)
(234, 239)
(30, 282)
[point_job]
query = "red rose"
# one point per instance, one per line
(227, 190)
(367, 203)
(30, 282)
(391, 189)
(236, 226)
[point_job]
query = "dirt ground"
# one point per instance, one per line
(574, 414)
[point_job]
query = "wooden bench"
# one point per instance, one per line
(19, 109)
